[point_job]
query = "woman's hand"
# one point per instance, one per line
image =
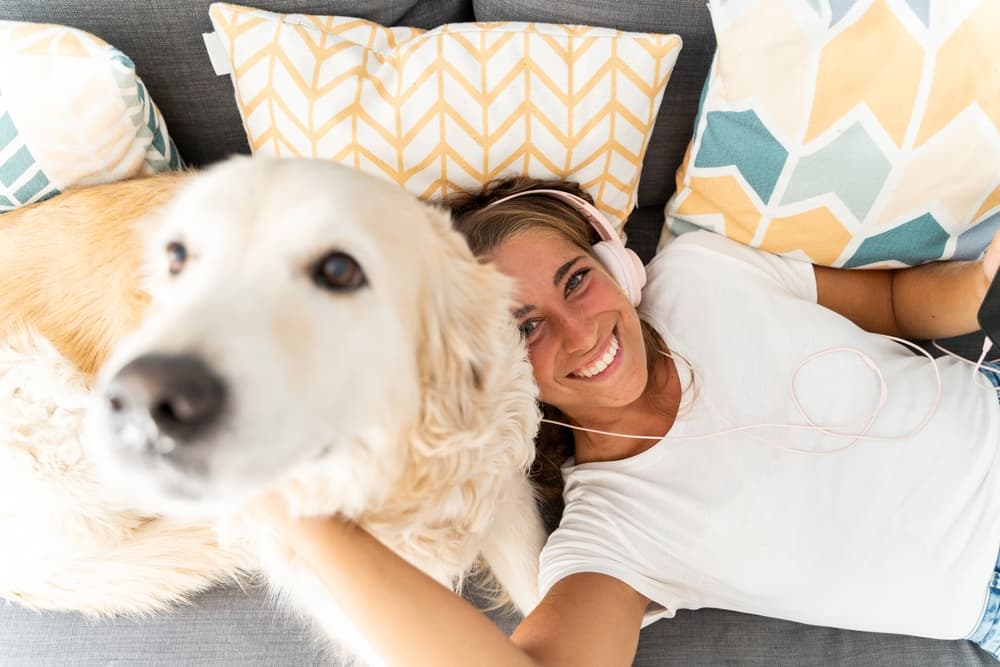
(271, 510)
(294, 532)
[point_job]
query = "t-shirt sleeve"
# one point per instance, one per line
(581, 546)
(715, 258)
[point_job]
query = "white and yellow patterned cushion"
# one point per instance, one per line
(851, 133)
(451, 107)
(72, 112)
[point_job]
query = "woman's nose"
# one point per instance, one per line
(578, 333)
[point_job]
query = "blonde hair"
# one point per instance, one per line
(486, 228)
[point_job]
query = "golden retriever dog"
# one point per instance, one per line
(294, 326)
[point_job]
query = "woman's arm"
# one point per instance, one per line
(587, 619)
(935, 300)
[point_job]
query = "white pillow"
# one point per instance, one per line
(72, 112)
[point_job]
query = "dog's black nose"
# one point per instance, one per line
(180, 393)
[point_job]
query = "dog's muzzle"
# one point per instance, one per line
(161, 403)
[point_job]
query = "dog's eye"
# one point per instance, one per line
(338, 271)
(176, 257)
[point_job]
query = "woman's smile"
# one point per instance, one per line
(604, 361)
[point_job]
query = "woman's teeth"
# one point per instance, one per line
(598, 366)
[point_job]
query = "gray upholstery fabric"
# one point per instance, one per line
(643, 229)
(230, 628)
(163, 38)
(224, 627)
(713, 637)
(674, 124)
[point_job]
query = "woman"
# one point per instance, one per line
(810, 470)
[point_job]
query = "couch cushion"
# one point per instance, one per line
(852, 135)
(454, 107)
(72, 112)
(164, 39)
(688, 18)
(228, 627)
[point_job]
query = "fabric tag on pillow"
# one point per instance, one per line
(216, 53)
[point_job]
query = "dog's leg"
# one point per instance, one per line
(514, 542)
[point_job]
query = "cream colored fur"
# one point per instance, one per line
(70, 269)
(70, 542)
(408, 407)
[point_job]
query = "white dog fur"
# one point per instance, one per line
(71, 542)
(406, 405)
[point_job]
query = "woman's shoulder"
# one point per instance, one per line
(694, 251)
(703, 257)
(703, 240)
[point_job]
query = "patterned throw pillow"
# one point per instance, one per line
(451, 107)
(72, 112)
(852, 133)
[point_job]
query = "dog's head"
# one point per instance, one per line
(304, 316)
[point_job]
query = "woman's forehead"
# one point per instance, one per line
(536, 240)
(534, 247)
(533, 257)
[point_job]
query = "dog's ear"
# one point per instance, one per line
(474, 366)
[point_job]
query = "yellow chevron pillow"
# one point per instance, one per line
(451, 107)
(854, 134)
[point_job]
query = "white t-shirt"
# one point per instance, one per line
(891, 536)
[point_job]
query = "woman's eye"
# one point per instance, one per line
(338, 272)
(527, 328)
(575, 280)
(177, 256)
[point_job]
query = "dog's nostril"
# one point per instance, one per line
(164, 413)
(179, 393)
(184, 408)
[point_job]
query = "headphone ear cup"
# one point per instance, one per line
(637, 276)
(624, 266)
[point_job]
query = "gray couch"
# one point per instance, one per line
(243, 627)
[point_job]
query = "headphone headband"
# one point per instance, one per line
(622, 263)
(577, 203)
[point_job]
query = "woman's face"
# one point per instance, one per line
(583, 335)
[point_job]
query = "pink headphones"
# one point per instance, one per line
(621, 262)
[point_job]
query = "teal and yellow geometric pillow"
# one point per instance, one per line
(853, 133)
(72, 112)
